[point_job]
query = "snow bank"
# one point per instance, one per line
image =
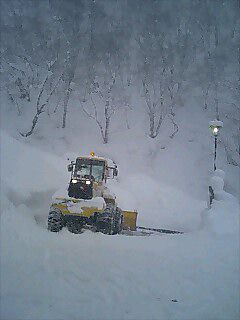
(223, 217)
(25, 169)
(224, 214)
(48, 276)
(29, 177)
(158, 204)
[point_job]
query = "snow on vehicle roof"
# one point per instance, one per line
(91, 157)
(73, 156)
(110, 162)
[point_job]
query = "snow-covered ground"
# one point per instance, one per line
(194, 275)
(93, 276)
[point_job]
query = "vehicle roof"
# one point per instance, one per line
(110, 163)
(92, 158)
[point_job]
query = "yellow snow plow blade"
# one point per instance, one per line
(130, 220)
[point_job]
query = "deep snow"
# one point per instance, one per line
(94, 276)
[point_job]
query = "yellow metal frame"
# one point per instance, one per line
(130, 220)
(86, 211)
(129, 217)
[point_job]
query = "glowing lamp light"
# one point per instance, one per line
(92, 153)
(74, 181)
(215, 126)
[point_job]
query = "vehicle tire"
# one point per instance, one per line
(110, 221)
(74, 227)
(55, 221)
(116, 226)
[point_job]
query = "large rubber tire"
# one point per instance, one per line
(55, 221)
(114, 226)
(118, 223)
(74, 227)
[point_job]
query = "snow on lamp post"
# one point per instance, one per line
(215, 126)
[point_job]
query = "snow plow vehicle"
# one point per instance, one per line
(88, 203)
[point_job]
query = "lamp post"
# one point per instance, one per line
(215, 126)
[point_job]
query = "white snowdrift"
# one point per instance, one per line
(224, 214)
(25, 169)
(93, 276)
(158, 204)
(48, 276)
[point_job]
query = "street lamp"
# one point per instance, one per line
(215, 126)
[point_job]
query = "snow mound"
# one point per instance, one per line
(219, 173)
(25, 169)
(52, 276)
(223, 216)
(217, 183)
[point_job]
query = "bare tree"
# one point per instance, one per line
(105, 98)
(104, 85)
(42, 101)
(155, 104)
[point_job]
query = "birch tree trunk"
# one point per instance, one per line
(65, 104)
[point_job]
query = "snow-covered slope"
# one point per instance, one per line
(94, 276)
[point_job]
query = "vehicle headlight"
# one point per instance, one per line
(88, 182)
(74, 181)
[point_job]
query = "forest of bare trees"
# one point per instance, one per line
(102, 49)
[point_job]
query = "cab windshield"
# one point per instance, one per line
(89, 168)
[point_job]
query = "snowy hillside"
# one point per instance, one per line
(136, 82)
(94, 276)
